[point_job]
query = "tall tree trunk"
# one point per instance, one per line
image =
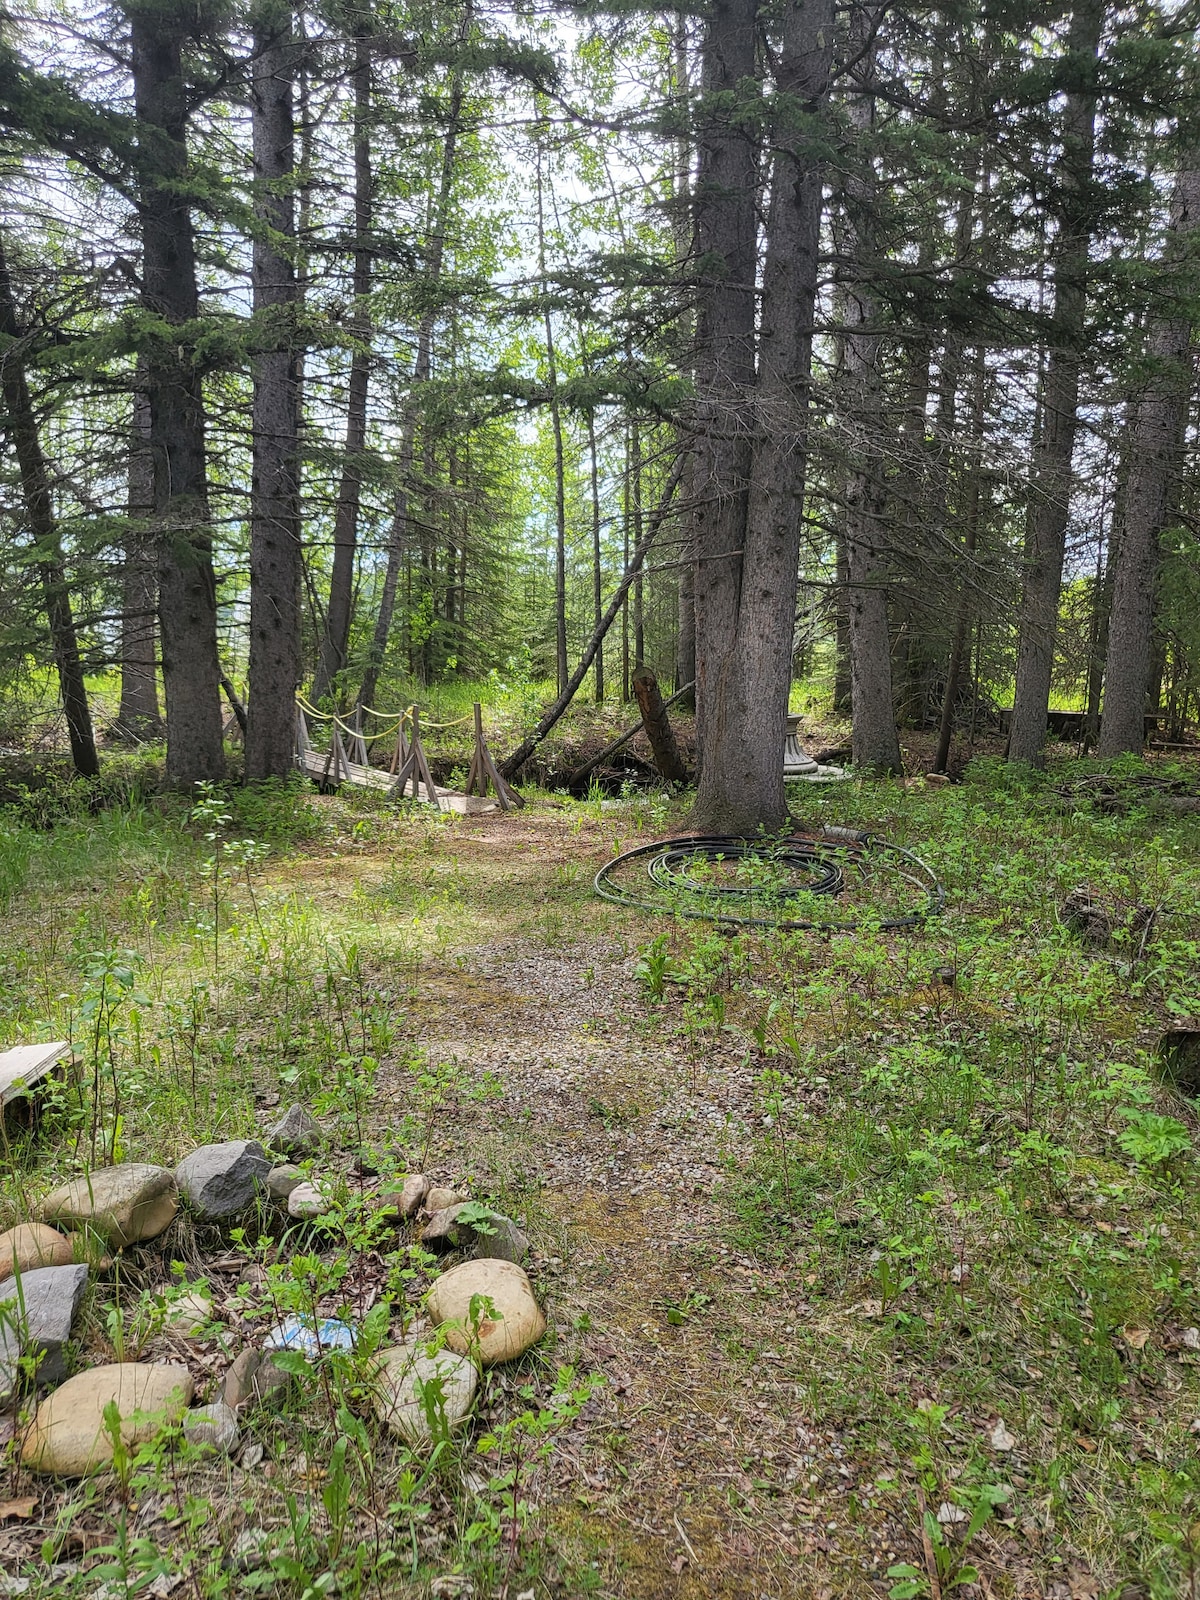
(138, 714)
(635, 512)
(874, 742)
(1051, 474)
(20, 424)
(744, 692)
(597, 555)
(338, 616)
(841, 623)
(970, 519)
(1158, 426)
(681, 196)
(725, 250)
(187, 592)
(275, 473)
(562, 666)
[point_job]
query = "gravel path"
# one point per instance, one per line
(696, 1470)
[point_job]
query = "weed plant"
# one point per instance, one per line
(966, 1156)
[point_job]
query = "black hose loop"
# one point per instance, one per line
(817, 862)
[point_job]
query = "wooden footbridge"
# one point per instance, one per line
(347, 760)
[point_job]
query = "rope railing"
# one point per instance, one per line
(409, 764)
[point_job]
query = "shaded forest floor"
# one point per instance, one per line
(882, 1248)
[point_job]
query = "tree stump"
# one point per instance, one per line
(658, 726)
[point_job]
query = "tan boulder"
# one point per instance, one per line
(502, 1333)
(68, 1436)
(402, 1375)
(125, 1203)
(30, 1245)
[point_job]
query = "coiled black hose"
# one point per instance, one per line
(818, 864)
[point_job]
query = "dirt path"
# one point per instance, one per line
(696, 1471)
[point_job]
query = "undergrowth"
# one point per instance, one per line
(965, 1153)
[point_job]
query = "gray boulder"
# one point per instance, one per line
(296, 1134)
(37, 1310)
(220, 1180)
(497, 1238)
(212, 1427)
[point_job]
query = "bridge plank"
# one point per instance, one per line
(23, 1065)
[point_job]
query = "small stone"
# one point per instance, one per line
(220, 1180)
(405, 1201)
(251, 1550)
(439, 1199)
(403, 1369)
(212, 1427)
(1001, 1438)
(68, 1435)
(450, 1586)
(33, 1244)
(306, 1201)
(251, 1456)
(518, 1323)
(189, 1314)
(44, 1304)
(296, 1134)
(282, 1180)
(497, 1237)
(950, 1515)
(442, 1232)
(123, 1204)
(12, 1586)
(254, 1379)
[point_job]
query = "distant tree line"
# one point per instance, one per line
(362, 345)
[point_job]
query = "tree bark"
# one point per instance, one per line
(339, 614)
(725, 241)
(20, 423)
(138, 715)
(874, 741)
(597, 561)
(560, 489)
(1158, 428)
(658, 726)
(1051, 474)
(970, 518)
(275, 471)
(187, 594)
(750, 618)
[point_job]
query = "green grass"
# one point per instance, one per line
(991, 1199)
(979, 1187)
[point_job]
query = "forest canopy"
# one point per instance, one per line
(357, 348)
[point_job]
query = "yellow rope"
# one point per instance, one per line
(401, 718)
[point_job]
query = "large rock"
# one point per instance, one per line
(308, 1200)
(41, 1306)
(124, 1203)
(296, 1134)
(190, 1314)
(282, 1180)
(443, 1230)
(212, 1427)
(518, 1321)
(221, 1180)
(497, 1237)
(401, 1373)
(254, 1379)
(68, 1435)
(33, 1244)
(406, 1200)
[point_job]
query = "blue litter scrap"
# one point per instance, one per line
(297, 1333)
